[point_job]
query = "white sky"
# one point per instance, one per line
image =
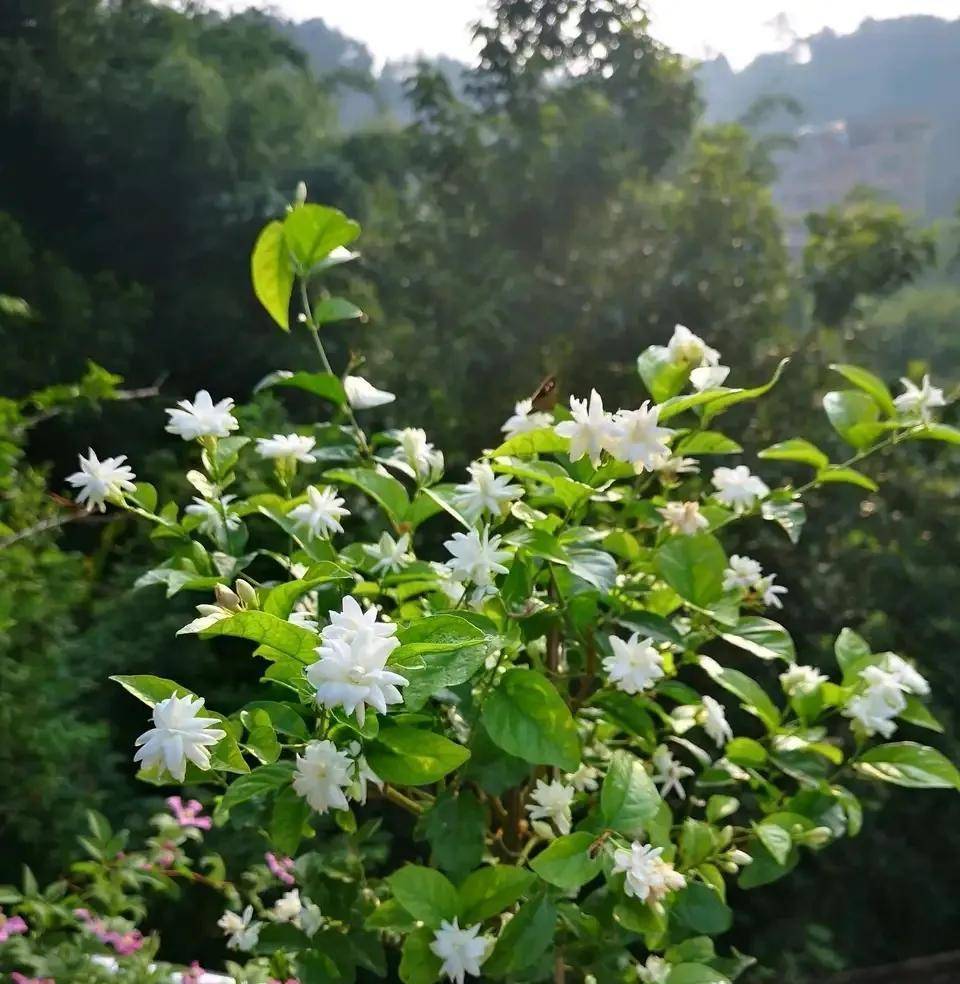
(740, 29)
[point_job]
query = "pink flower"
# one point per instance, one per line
(11, 926)
(289, 980)
(188, 814)
(281, 868)
(123, 943)
(193, 974)
(17, 978)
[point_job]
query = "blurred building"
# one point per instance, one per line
(832, 159)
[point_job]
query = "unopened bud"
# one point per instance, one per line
(740, 858)
(247, 593)
(226, 598)
(300, 195)
(726, 835)
(729, 867)
(816, 837)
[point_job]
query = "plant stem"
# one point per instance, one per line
(395, 796)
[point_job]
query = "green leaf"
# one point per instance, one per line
(917, 714)
(391, 915)
(937, 432)
(870, 384)
(849, 648)
(628, 799)
(322, 384)
(746, 752)
(151, 689)
(262, 781)
(418, 963)
(716, 407)
(281, 599)
(854, 416)
(660, 374)
(696, 842)
(906, 763)
(787, 514)
(313, 231)
(543, 440)
(387, 491)
(719, 807)
(796, 449)
(267, 630)
(488, 891)
(693, 566)
(707, 442)
(455, 827)
(413, 757)
(595, 567)
(775, 839)
(524, 939)
(272, 273)
(848, 476)
(764, 868)
(690, 973)
(526, 717)
(333, 309)
(290, 814)
(678, 404)
(426, 894)
(566, 862)
(754, 698)
(762, 637)
(701, 909)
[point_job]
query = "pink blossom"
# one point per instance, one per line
(11, 926)
(289, 980)
(17, 978)
(188, 814)
(193, 974)
(123, 943)
(281, 868)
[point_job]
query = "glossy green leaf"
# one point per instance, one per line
(387, 491)
(418, 963)
(311, 232)
(425, 893)
(870, 384)
(662, 376)
(693, 566)
(796, 449)
(854, 415)
(706, 442)
(488, 891)
(567, 863)
(267, 630)
(718, 406)
(628, 797)
(413, 757)
(322, 384)
(272, 273)
(524, 939)
(543, 440)
(847, 476)
(906, 763)
(762, 637)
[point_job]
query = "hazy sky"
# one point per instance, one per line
(740, 29)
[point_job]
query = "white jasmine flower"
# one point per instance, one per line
(769, 591)
(638, 438)
(552, 801)
(321, 513)
(877, 706)
(363, 775)
(919, 400)
(671, 467)
(211, 514)
(737, 488)
(352, 620)
(709, 377)
(801, 681)
(461, 950)
(669, 773)
(288, 907)
(524, 420)
(323, 773)
(907, 675)
(418, 454)
(179, 734)
(287, 447)
(391, 555)
(715, 722)
(655, 971)
(101, 480)
(305, 619)
(741, 572)
(362, 395)
(202, 418)
(684, 346)
(351, 673)
(591, 431)
(585, 779)
(684, 518)
(311, 918)
(242, 930)
(648, 876)
(635, 664)
(476, 557)
(485, 492)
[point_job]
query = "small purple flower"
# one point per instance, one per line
(281, 868)
(11, 926)
(188, 814)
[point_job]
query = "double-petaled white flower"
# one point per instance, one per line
(877, 706)
(215, 515)
(909, 677)
(363, 395)
(351, 673)
(287, 448)
(648, 876)
(669, 773)
(322, 775)
(770, 592)
(714, 721)
(390, 556)
(485, 492)
(241, 929)
(288, 907)
(101, 480)
(669, 468)
(737, 488)
(551, 801)
(321, 513)
(918, 401)
(460, 950)
(525, 419)
(638, 438)
(741, 572)
(635, 665)
(708, 377)
(684, 518)
(801, 680)
(685, 347)
(655, 971)
(352, 620)
(476, 557)
(417, 455)
(201, 418)
(591, 432)
(179, 735)
(586, 779)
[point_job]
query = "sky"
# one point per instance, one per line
(739, 29)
